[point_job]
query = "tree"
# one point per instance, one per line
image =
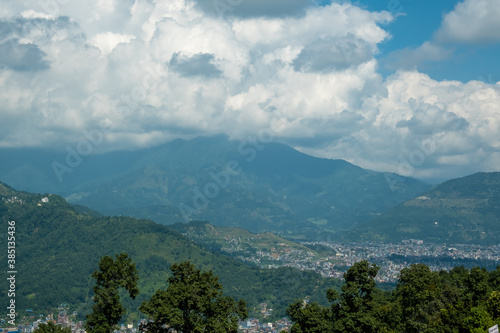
(477, 285)
(479, 320)
(112, 275)
(424, 301)
(193, 302)
(50, 327)
(3, 208)
(495, 279)
(493, 304)
(420, 296)
(309, 318)
(354, 313)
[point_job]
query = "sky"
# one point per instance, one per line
(401, 86)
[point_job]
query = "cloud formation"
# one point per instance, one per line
(255, 8)
(472, 22)
(146, 72)
(410, 59)
(200, 64)
(22, 56)
(330, 54)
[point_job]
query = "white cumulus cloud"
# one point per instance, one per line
(152, 71)
(107, 41)
(472, 21)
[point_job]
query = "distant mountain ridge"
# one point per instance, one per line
(256, 185)
(463, 210)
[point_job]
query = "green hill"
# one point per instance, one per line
(58, 247)
(259, 186)
(239, 242)
(464, 210)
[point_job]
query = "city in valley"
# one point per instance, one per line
(329, 259)
(335, 258)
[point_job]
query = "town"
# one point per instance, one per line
(68, 320)
(332, 261)
(336, 258)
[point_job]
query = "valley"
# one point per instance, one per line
(332, 259)
(280, 226)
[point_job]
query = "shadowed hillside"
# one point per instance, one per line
(259, 186)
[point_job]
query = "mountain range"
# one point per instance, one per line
(256, 184)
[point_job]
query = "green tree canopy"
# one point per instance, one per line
(420, 297)
(310, 318)
(111, 276)
(352, 311)
(461, 300)
(193, 302)
(50, 327)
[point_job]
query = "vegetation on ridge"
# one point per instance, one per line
(461, 300)
(58, 248)
(460, 211)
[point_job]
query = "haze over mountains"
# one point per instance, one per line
(259, 185)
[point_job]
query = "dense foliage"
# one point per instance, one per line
(50, 327)
(112, 276)
(193, 302)
(461, 300)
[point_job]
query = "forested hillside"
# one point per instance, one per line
(460, 211)
(58, 248)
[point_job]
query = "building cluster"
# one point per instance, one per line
(13, 199)
(253, 325)
(278, 254)
(409, 252)
(63, 319)
(43, 200)
(391, 258)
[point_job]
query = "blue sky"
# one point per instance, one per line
(407, 86)
(417, 22)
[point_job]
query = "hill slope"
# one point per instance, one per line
(463, 210)
(242, 243)
(57, 249)
(259, 186)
